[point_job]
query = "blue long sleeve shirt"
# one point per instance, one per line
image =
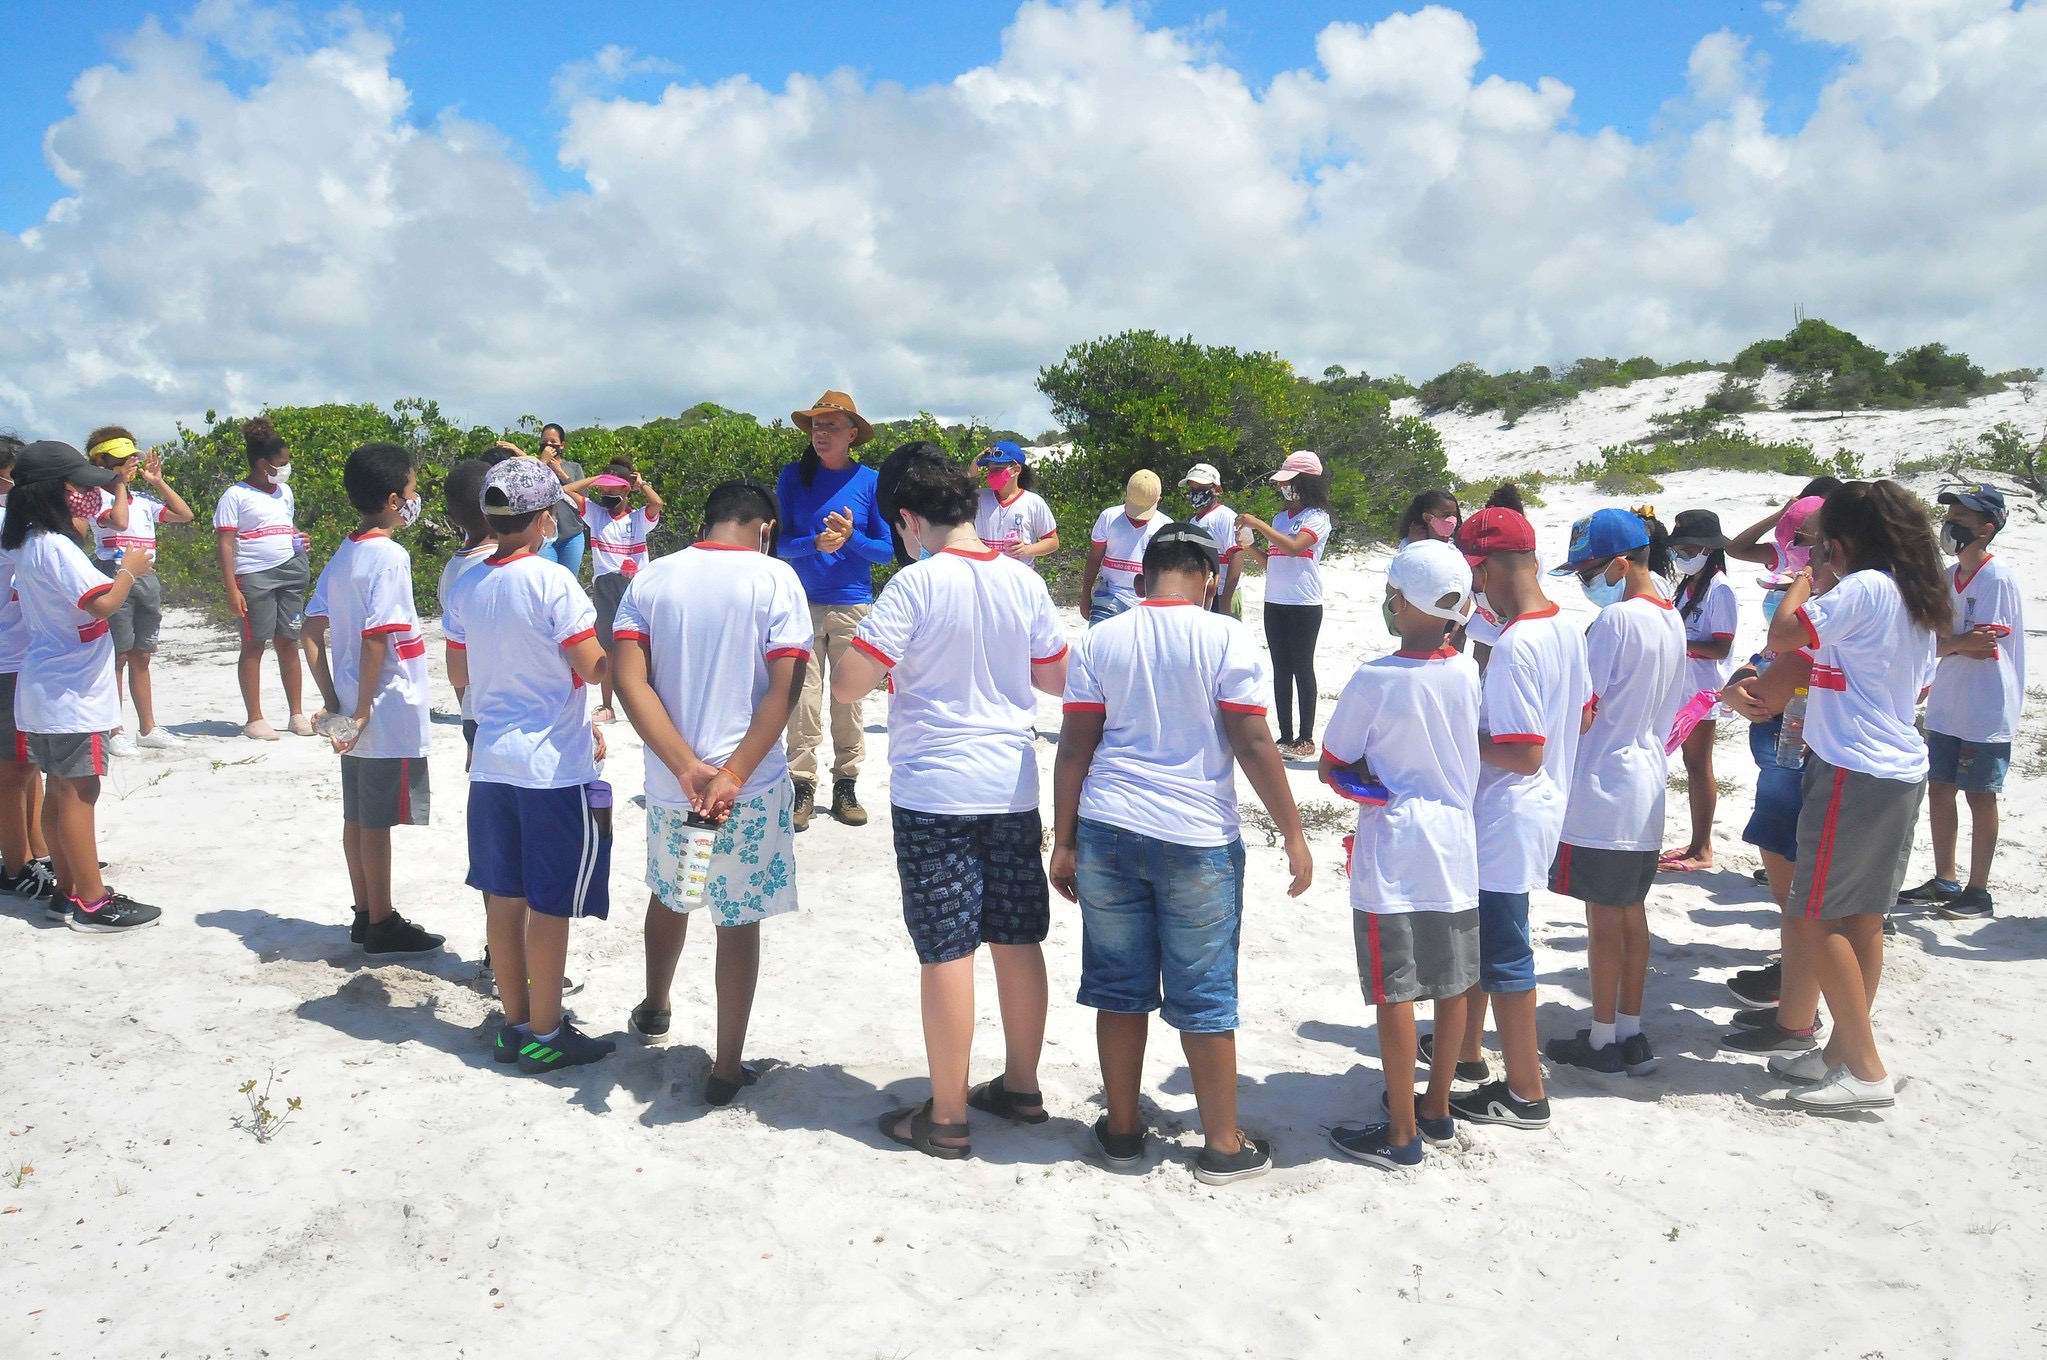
(846, 576)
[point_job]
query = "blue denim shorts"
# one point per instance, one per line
(1506, 954)
(1773, 823)
(1159, 922)
(1971, 766)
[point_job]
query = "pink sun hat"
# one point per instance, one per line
(1792, 558)
(610, 481)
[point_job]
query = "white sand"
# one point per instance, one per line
(425, 1203)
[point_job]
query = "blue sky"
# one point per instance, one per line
(496, 62)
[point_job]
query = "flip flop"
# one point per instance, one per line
(1679, 852)
(924, 1134)
(995, 1098)
(1684, 864)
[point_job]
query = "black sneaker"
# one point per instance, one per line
(1493, 1103)
(1761, 878)
(1435, 1131)
(1768, 1038)
(1758, 986)
(1637, 1058)
(1756, 1017)
(1120, 1150)
(394, 937)
(1929, 893)
(1577, 1051)
(1466, 1071)
(1252, 1158)
(111, 917)
(806, 803)
(358, 925)
(569, 1047)
(510, 1039)
(33, 884)
(1890, 925)
(846, 803)
(1972, 904)
(1370, 1144)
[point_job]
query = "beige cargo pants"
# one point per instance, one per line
(832, 627)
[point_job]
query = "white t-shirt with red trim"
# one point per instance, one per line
(13, 630)
(1714, 618)
(514, 617)
(1869, 663)
(1635, 654)
(1979, 699)
(618, 543)
(108, 543)
(1162, 675)
(713, 617)
(462, 564)
(66, 683)
(365, 591)
(959, 632)
(261, 522)
(1296, 578)
(1020, 523)
(1536, 688)
(1412, 718)
(1219, 522)
(1122, 541)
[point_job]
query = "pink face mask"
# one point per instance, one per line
(85, 505)
(1441, 527)
(1792, 556)
(1001, 478)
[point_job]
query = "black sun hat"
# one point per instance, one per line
(1697, 529)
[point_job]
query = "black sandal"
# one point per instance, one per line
(992, 1097)
(924, 1134)
(718, 1091)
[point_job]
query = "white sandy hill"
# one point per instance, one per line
(1558, 438)
(426, 1204)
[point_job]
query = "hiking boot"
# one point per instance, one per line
(806, 801)
(846, 804)
(1972, 904)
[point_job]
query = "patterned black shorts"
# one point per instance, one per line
(969, 881)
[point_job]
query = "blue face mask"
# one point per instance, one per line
(918, 552)
(1604, 593)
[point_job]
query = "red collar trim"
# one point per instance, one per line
(518, 556)
(1005, 504)
(1440, 654)
(1139, 523)
(275, 487)
(708, 546)
(1549, 613)
(1653, 598)
(369, 534)
(985, 555)
(1167, 604)
(1961, 581)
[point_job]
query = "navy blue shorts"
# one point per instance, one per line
(1773, 824)
(1160, 923)
(1971, 766)
(542, 845)
(1506, 954)
(971, 880)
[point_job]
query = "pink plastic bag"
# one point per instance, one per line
(1690, 716)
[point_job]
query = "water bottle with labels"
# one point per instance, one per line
(1791, 746)
(696, 860)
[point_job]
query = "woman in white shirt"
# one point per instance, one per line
(1292, 556)
(1707, 604)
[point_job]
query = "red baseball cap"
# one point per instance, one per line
(1494, 530)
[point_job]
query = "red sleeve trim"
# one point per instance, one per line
(628, 635)
(1519, 738)
(1048, 660)
(1098, 542)
(224, 528)
(1810, 631)
(455, 646)
(89, 596)
(800, 653)
(382, 629)
(1591, 705)
(1723, 637)
(1086, 708)
(863, 645)
(583, 636)
(1228, 707)
(1313, 537)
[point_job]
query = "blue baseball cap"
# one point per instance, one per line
(1984, 500)
(1002, 451)
(1602, 535)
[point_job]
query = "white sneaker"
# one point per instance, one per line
(1843, 1091)
(301, 725)
(121, 745)
(260, 730)
(1805, 1068)
(158, 739)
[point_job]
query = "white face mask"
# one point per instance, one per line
(1687, 564)
(408, 512)
(281, 473)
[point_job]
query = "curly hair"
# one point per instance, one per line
(1506, 496)
(1880, 526)
(261, 439)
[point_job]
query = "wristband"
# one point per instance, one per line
(728, 770)
(123, 571)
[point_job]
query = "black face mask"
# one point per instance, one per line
(612, 503)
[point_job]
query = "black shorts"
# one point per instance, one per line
(1610, 878)
(606, 592)
(971, 880)
(380, 792)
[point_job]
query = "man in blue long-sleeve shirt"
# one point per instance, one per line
(833, 535)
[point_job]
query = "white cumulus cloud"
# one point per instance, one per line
(312, 235)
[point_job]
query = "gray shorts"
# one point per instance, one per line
(67, 755)
(1610, 878)
(276, 600)
(607, 590)
(1416, 955)
(380, 792)
(13, 743)
(1862, 870)
(136, 624)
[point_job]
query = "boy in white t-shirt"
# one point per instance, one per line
(964, 635)
(1161, 703)
(1972, 711)
(1204, 488)
(1613, 823)
(1115, 553)
(128, 519)
(712, 646)
(373, 689)
(618, 544)
(539, 817)
(1408, 723)
(264, 566)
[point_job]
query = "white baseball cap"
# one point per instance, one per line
(1202, 474)
(1434, 578)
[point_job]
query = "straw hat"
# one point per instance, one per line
(843, 404)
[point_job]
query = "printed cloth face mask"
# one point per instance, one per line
(408, 512)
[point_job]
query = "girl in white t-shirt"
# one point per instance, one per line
(264, 565)
(1012, 518)
(1872, 638)
(1707, 604)
(1291, 554)
(128, 518)
(26, 871)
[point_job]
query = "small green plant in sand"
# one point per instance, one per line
(262, 1120)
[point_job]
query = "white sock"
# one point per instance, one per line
(1626, 1026)
(1602, 1035)
(548, 1037)
(1518, 1096)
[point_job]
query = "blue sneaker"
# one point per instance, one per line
(1370, 1144)
(1971, 904)
(510, 1039)
(569, 1047)
(1437, 1131)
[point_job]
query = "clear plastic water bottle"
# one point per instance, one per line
(696, 861)
(1791, 733)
